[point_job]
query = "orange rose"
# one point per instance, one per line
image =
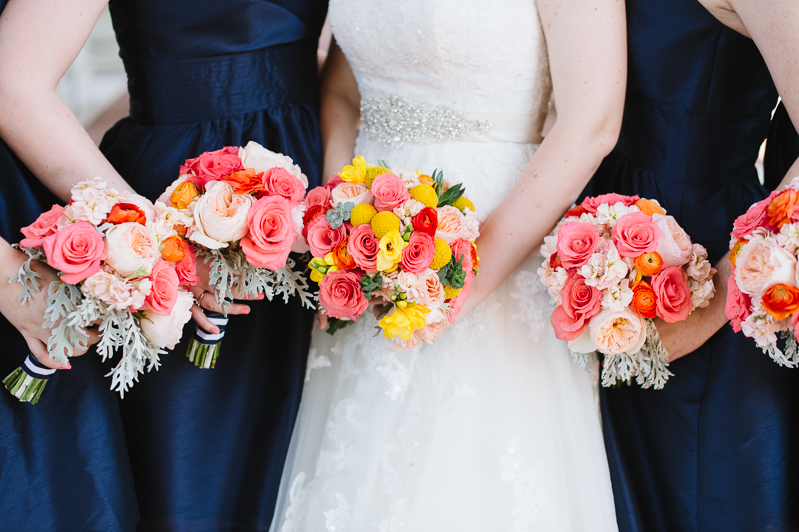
(780, 210)
(645, 300)
(736, 249)
(246, 181)
(649, 264)
(183, 195)
(781, 300)
(126, 212)
(341, 256)
(173, 249)
(649, 207)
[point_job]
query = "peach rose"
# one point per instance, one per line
(279, 182)
(577, 241)
(674, 245)
(636, 233)
(45, 225)
(212, 165)
(389, 192)
(738, 305)
(165, 331)
(355, 193)
(164, 291)
(673, 295)
(762, 263)
(255, 156)
(271, 233)
(363, 247)
(341, 296)
(322, 238)
(616, 332)
(451, 224)
(220, 216)
(132, 249)
(318, 196)
(432, 290)
(76, 250)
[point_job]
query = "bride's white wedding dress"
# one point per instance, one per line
(493, 428)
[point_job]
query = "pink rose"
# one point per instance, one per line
(462, 248)
(753, 218)
(674, 295)
(271, 233)
(389, 192)
(579, 303)
(456, 304)
(318, 196)
(164, 291)
(76, 250)
(418, 254)
(363, 247)
(635, 234)
(591, 204)
(341, 296)
(577, 241)
(355, 193)
(334, 182)
(322, 238)
(212, 165)
(44, 226)
(187, 267)
(279, 182)
(674, 244)
(738, 305)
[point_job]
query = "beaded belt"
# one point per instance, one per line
(395, 121)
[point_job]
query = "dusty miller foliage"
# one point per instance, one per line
(26, 277)
(230, 270)
(788, 358)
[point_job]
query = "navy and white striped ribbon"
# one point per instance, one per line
(206, 338)
(36, 369)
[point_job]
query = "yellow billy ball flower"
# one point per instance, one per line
(385, 222)
(355, 173)
(442, 255)
(463, 203)
(425, 194)
(373, 172)
(390, 253)
(450, 292)
(405, 318)
(362, 214)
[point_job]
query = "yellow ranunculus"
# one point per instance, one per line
(391, 246)
(355, 173)
(405, 318)
(321, 267)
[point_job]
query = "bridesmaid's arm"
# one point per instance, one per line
(587, 46)
(774, 26)
(39, 40)
(340, 112)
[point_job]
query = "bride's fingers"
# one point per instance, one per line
(202, 320)
(238, 294)
(209, 303)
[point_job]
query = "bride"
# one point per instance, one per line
(493, 428)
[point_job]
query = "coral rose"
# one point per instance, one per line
(165, 332)
(76, 250)
(220, 216)
(389, 192)
(761, 264)
(451, 224)
(164, 291)
(280, 182)
(781, 300)
(363, 247)
(673, 295)
(132, 249)
(322, 238)
(45, 225)
(649, 264)
(674, 245)
(616, 332)
(591, 204)
(418, 254)
(318, 196)
(246, 181)
(311, 216)
(577, 241)
(649, 207)
(355, 193)
(270, 234)
(634, 234)
(341, 296)
(753, 218)
(212, 165)
(187, 267)
(579, 303)
(780, 208)
(644, 301)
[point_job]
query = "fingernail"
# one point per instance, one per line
(215, 330)
(66, 366)
(245, 311)
(261, 296)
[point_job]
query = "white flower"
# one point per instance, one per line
(471, 224)
(617, 297)
(554, 279)
(609, 214)
(166, 218)
(698, 266)
(413, 286)
(220, 216)
(300, 245)
(761, 327)
(550, 246)
(165, 331)
(701, 292)
(117, 293)
(604, 269)
(409, 177)
(131, 249)
(92, 201)
(407, 211)
(255, 156)
(788, 238)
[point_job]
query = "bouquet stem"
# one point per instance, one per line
(27, 382)
(204, 347)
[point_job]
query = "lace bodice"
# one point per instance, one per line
(460, 53)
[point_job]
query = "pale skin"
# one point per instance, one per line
(774, 27)
(39, 40)
(588, 77)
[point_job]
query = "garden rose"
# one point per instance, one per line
(389, 192)
(279, 182)
(579, 303)
(674, 245)
(590, 205)
(164, 291)
(318, 196)
(432, 290)
(341, 295)
(322, 238)
(363, 247)
(132, 249)
(737, 307)
(616, 332)
(577, 241)
(255, 156)
(212, 165)
(418, 254)
(45, 225)
(673, 295)
(636, 233)
(271, 233)
(761, 264)
(76, 250)
(451, 224)
(165, 331)
(355, 193)
(220, 216)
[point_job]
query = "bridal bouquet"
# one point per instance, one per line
(762, 293)
(243, 208)
(396, 235)
(613, 264)
(121, 264)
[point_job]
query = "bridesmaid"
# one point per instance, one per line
(206, 446)
(718, 448)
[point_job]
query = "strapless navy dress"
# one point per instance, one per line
(63, 462)
(207, 446)
(718, 448)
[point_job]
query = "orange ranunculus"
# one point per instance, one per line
(649, 264)
(246, 181)
(781, 300)
(183, 195)
(645, 300)
(780, 210)
(736, 249)
(126, 212)
(426, 180)
(554, 261)
(475, 258)
(173, 249)
(181, 229)
(649, 207)
(341, 256)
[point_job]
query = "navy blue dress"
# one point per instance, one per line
(718, 448)
(207, 446)
(63, 462)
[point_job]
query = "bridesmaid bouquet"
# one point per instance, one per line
(762, 293)
(243, 208)
(396, 235)
(613, 264)
(121, 265)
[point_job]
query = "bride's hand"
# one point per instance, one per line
(204, 294)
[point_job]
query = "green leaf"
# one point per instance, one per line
(334, 325)
(451, 195)
(371, 284)
(452, 274)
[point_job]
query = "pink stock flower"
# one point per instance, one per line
(418, 254)
(363, 247)
(212, 165)
(634, 234)
(45, 225)
(577, 241)
(322, 238)
(591, 204)
(673, 295)
(389, 192)
(164, 291)
(341, 296)
(579, 303)
(279, 182)
(76, 250)
(737, 307)
(271, 232)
